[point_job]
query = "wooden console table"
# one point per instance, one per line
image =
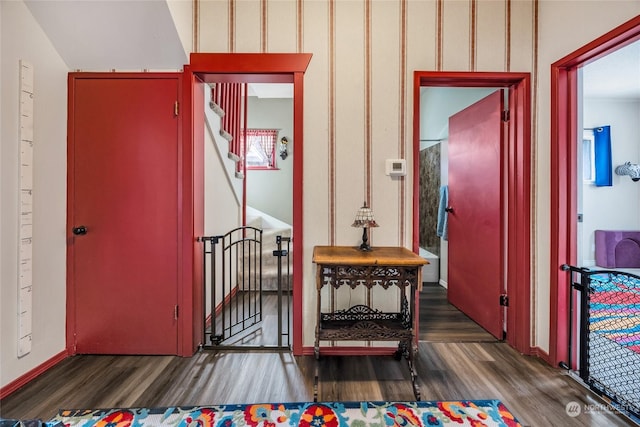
(387, 267)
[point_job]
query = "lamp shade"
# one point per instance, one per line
(364, 217)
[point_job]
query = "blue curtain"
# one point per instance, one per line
(602, 154)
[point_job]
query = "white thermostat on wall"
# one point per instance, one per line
(396, 167)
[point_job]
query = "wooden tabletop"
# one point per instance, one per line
(380, 255)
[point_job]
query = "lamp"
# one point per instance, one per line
(631, 169)
(364, 219)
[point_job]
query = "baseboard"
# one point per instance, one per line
(443, 283)
(541, 354)
(32, 374)
(351, 351)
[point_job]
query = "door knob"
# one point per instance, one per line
(79, 231)
(448, 209)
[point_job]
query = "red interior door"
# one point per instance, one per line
(475, 277)
(124, 142)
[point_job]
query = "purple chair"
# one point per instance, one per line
(618, 249)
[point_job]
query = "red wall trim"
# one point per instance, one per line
(249, 63)
(32, 374)
(71, 293)
(564, 127)
(519, 187)
(619, 37)
(298, 223)
(190, 190)
(538, 352)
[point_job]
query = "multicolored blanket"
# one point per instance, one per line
(323, 414)
(614, 309)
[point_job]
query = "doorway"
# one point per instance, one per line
(254, 68)
(516, 191)
(565, 125)
(248, 213)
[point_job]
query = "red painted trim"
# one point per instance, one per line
(564, 126)
(619, 37)
(247, 68)
(245, 115)
(519, 186)
(70, 332)
(298, 189)
(519, 216)
(351, 351)
(192, 189)
(468, 78)
(32, 374)
(249, 63)
(538, 352)
(417, 77)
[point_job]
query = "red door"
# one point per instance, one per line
(124, 263)
(475, 277)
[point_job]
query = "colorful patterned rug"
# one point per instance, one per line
(475, 413)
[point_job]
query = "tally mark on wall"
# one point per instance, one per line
(25, 242)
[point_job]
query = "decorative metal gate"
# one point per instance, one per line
(233, 291)
(607, 309)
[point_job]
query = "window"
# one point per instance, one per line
(588, 156)
(261, 148)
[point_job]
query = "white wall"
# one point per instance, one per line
(22, 38)
(182, 15)
(271, 191)
(222, 204)
(616, 207)
(222, 208)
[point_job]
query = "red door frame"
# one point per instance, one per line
(247, 68)
(564, 128)
(71, 321)
(518, 175)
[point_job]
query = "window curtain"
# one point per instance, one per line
(602, 154)
(263, 141)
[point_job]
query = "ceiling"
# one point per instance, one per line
(616, 75)
(271, 90)
(111, 35)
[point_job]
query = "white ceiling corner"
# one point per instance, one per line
(271, 90)
(113, 34)
(616, 75)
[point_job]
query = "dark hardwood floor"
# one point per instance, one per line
(463, 367)
(442, 322)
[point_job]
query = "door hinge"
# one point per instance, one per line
(505, 115)
(504, 300)
(175, 312)
(176, 109)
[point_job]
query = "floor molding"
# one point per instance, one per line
(32, 374)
